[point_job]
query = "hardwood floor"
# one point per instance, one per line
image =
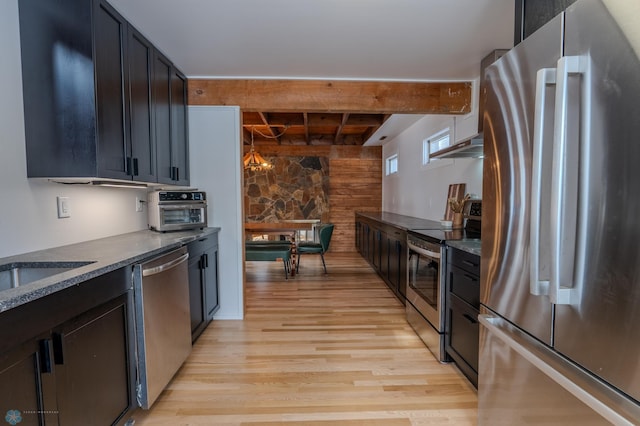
(314, 350)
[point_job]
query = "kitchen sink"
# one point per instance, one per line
(13, 275)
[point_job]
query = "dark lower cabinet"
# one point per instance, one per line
(463, 306)
(91, 363)
(379, 238)
(196, 295)
(203, 283)
(75, 363)
(385, 248)
(386, 253)
(397, 276)
(21, 371)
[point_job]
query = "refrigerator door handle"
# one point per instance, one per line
(544, 78)
(564, 189)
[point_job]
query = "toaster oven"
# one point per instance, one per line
(175, 210)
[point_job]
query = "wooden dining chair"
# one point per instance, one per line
(316, 247)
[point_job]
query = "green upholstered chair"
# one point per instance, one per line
(320, 247)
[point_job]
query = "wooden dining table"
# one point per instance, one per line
(288, 229)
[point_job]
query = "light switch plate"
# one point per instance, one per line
(63, 207)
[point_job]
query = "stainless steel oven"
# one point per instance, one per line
(177, 210)
(425, 293)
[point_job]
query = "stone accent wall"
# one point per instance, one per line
(296, 188)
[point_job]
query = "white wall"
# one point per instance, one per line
(215, 166)
(421, 191)
(28, 215)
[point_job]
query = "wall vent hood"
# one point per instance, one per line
(473, 146)
(470, 148)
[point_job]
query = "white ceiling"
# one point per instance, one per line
(325, 39)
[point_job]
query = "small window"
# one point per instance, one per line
(392, 164)
(434, 143)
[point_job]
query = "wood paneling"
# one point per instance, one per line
(318, 349)
(354, 185)
(334, 96)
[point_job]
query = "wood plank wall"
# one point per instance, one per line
(355, 184)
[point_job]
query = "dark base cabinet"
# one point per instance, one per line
(87, 351)
(75, 365)
(463, 305)
(21, 383)
(203, 283)
(385, 248)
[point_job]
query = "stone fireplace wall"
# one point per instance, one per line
(296, 188)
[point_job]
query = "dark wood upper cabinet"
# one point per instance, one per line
(179, 136)
(58, 88)
(162, 113)
(110, 32)
(170, 112)
(143, 147)
(94, 105)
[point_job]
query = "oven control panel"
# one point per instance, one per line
(181, 196)
(473, 209)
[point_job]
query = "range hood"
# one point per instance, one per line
(472, 147)
(469, 148)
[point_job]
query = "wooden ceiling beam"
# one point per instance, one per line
(334, 96)
(324, 119)
(305, 118)
(345, 118)
(274, 135)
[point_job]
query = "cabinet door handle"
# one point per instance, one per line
(58, 348)
(206, 260)
(45, 356)
(468, 263)
(135, 167)
(469, 318)
(470, 277)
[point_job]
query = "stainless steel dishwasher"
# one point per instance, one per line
(163, 322)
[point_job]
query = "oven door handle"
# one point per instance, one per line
(425, 252)
(183, 206)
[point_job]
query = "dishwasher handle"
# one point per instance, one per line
(165, 266)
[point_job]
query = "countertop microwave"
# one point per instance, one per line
(177, 210)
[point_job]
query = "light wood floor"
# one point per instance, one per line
(314, 350)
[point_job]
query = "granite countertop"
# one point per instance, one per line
(470, 246)
(105, 255)
(401, 221)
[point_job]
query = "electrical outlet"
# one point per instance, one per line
(64, 209)
(138, 204)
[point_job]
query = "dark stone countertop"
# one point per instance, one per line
(472, 246)
(401, 221)
(105, 255)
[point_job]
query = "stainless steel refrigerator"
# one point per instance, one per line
(560, 271)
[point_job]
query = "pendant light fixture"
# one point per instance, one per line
(254, 161)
